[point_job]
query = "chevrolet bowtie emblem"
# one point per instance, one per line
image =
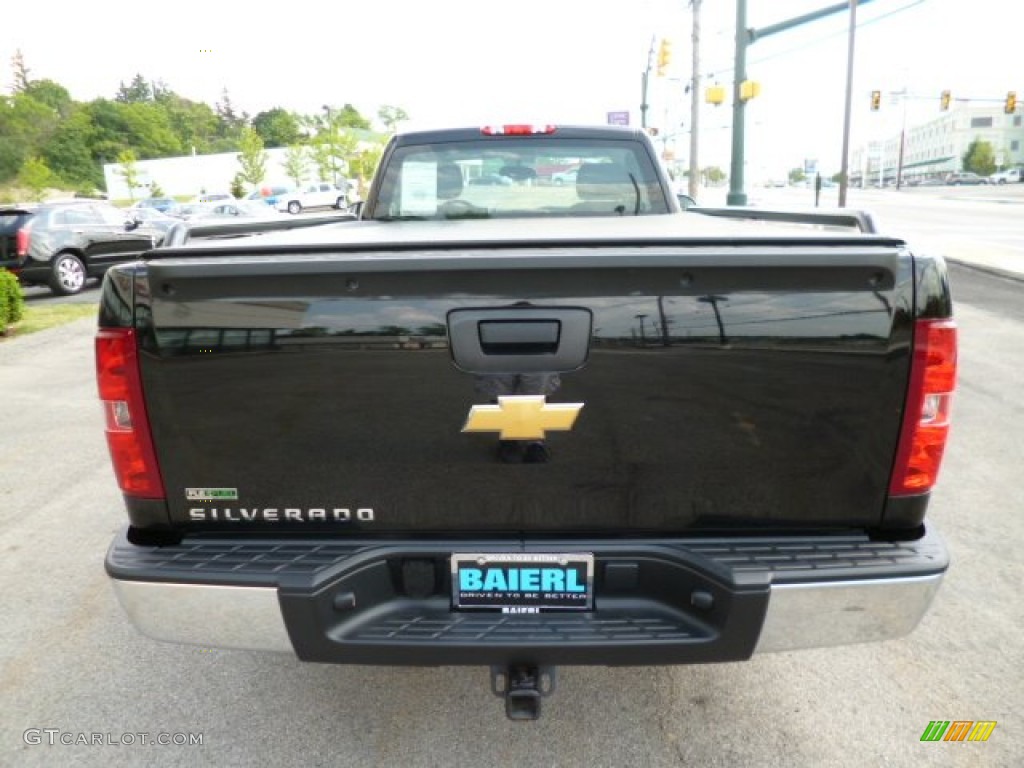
(522, 417)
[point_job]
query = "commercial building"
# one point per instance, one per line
(933, 149)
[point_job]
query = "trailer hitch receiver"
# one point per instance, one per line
(522, 686)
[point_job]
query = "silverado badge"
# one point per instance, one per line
(522, 417)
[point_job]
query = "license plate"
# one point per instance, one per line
(523, 582)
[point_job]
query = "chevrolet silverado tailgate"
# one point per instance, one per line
(633, 387)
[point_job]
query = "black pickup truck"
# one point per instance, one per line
(522, 424)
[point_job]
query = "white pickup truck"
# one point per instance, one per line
(322, 194)
(1010, 175)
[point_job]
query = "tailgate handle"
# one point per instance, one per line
(520, 339)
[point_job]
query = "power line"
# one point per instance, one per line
(860, 24)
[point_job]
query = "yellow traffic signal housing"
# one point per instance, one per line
(944, 100)
(714, 94)
(876, 100)
(1011, 103)
(664, 56)
(749, 89)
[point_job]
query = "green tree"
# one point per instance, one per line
(229, 124)
(21, 78)
(321, 155)
(363, 165)
(68, 150)
(137, 91)
(25, 125)
(714, 174)
(349, 117)
(36, 176)
(238, 185)
(979, 158)
(296, 163)
(277, 127)
(194, 124)
(391, 117)
(52, 94)
(251, 157)
(145, 128)
(796, 175)
(129, 171)
(12, 301)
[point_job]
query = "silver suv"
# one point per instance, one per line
(319, 195)
(965, 177)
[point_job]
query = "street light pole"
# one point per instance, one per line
(744, 37)
(736, 194)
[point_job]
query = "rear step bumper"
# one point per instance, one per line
(655, 602)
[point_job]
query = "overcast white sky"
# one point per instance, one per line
(473, 62)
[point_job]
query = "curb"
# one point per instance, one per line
(996, 271)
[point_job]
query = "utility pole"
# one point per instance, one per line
(844, 163)
(695, 101)
(645, 76)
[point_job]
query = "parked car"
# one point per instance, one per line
(269, 195)
(491, 180)
(243, 208)
(62, 244)
(152, 217)
(162, 204)
(965, 178)
(564, 177)
(319, 195)
(190, 210)
(212, 197)
(1010, 175)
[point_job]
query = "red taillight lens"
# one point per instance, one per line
(926, 418)
(516, 130)
(127, 426)
(22, 239)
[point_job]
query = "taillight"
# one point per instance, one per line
(22, 239)
(127, 425)
(516, 130)
(926, 418)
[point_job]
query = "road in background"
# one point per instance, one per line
(69, 660)
(982, 226)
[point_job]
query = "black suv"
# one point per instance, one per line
(64, 243)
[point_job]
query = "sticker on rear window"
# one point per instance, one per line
(419, 188)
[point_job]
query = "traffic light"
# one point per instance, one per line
(714, 94)
(944, 100)
(664, 56)
(1011, 103)
(876, 100)
(749, 89)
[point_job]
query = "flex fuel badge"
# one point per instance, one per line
(211, 494)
